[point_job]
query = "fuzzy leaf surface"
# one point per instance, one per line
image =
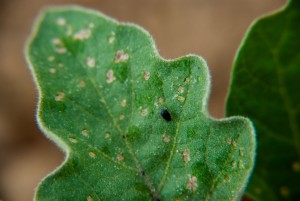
(133, 125)
(265, 87)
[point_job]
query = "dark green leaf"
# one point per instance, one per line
(265, 87)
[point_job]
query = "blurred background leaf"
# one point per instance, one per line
(265, 87)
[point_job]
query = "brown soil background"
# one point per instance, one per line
(210, 28)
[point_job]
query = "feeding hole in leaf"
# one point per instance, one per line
(165, 114)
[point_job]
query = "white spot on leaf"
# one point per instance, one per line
(69, 31)
(186, 80)
(82, 34)
(73, 140)
(161, 101)
(233, 164)
(92, 154)
(122, 116)
(61, 50)
(81, 83)
(85, 132)
(240, 164)
(241, 152)
(228, 141)
(90, 62)
(52, 70)
(166, 139)
(124, 103)
(192, 183)
(144, 112)
(180, 99)
(110, 76)
(227, 179)
(60, 96)
(186, 155)
(107, 135)
(111, 39)
(146, 75)
(51, 58)
(181, 89)
(120, 157)
(57, 41)
(61, 21)
(233, 144)
(121, 56)
(91, 25)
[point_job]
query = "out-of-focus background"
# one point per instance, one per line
(210, 28)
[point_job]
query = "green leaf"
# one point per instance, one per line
(105, 99)
(265, 87)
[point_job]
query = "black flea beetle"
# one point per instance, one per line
(165, 114)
